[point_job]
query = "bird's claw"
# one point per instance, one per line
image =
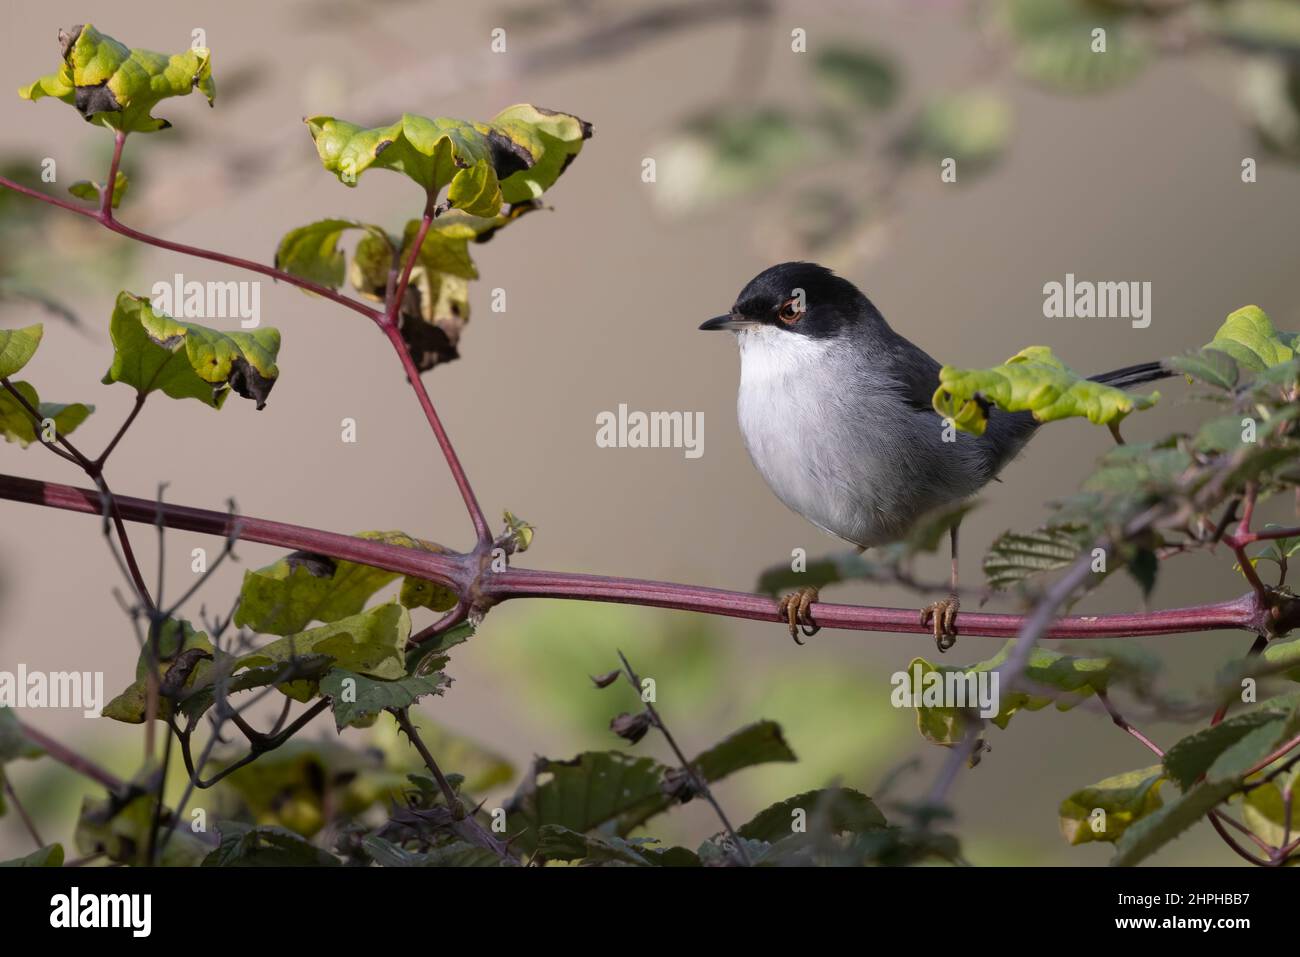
(794, 608)
(943, 616)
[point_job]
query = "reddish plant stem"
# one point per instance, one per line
(386, 319)
(1261, 642)
(122, 429)
(462, 572)
(66, 756)
(1122, 722)
(94, 471)
(106, 219)
(393, 307)
(481, 530)
(106, 194)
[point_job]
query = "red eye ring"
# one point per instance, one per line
(791, 311)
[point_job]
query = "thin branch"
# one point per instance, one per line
(109, 222)
(135, 411)
(71, 759)
(481, 530)
(698, 784)
(1120, 722)
(22, 813)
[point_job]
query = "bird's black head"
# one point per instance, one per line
(798, 297)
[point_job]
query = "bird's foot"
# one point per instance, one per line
(794, 608)
(943, 616)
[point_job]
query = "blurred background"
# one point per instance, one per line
(1123, 166)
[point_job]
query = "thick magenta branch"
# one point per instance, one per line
(466, 574)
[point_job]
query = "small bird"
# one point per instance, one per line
(835, 409)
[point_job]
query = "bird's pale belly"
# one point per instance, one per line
(830, 479)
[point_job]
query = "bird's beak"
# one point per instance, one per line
(726, 322)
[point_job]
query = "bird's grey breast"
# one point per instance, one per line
(826, 425)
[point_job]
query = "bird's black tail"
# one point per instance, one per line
(1130, 376)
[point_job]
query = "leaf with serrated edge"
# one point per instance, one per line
(846, 810)
(366, 697)
(287, 595)
(371, 643)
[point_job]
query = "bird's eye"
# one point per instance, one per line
(791, 312)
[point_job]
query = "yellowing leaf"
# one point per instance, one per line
(1103, 811)
(287, 595)
(1033, 380)
(115, 86)
(185, 360)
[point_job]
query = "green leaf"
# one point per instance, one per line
(594, 789)
(371, 643)
(121, 833)
(51, 855)
(85, 189)
(303, 781)
(17, 424)
(312, 252)
(1224, 758)
(290, 593)
(435, 153)
(1124, 798)
(532, 148)
(1065, 680)
(17, 346)
(758, 743)
(1015, 557)
(844, 810)
(14, 744)
(561, 844)
(1214, 368)
(1144, 837)
(152, 351)
(842, 566)
(1193, 756)
(855, 76)
(115, 86)
(1034, 381)
(455, 854)
(359, 702)
(1265, 813)
(243, 845)
(176, 637)
(1248, 336)
(1259, 25)
(972, 127)
(1064, 60)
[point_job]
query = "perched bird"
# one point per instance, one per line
(835, 409)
